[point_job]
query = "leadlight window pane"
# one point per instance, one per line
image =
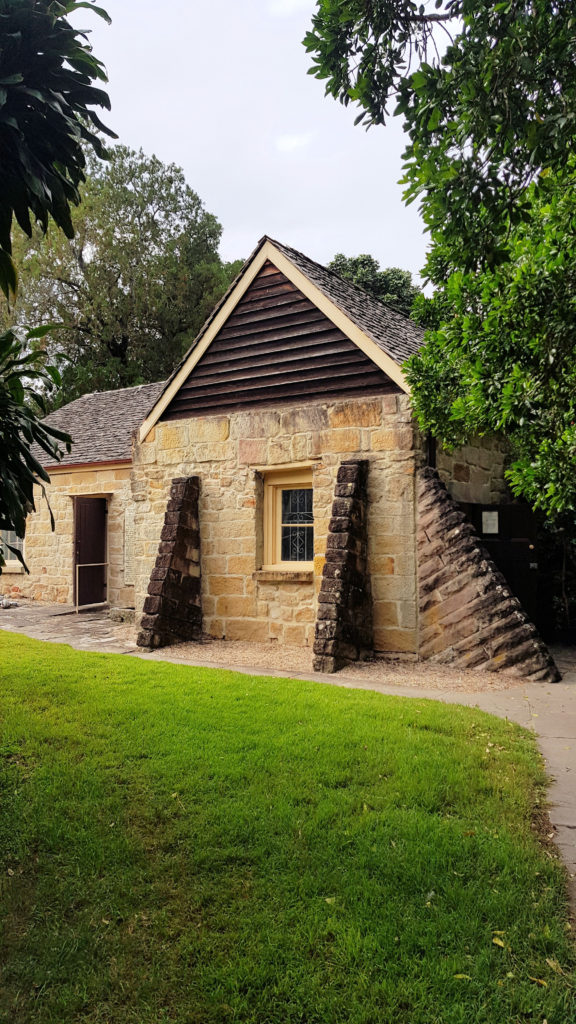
(297, 526)
(9, 537)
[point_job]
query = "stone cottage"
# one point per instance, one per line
(279, 490)
(282, 472)
(89, 556)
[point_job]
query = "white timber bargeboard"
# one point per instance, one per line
(311, 291)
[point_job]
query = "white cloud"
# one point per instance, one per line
(289, 143)
(284, 8)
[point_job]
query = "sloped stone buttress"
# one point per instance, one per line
(172, 609)
(468, 615)
(344, 618)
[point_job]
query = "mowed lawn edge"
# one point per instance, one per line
(196, 846)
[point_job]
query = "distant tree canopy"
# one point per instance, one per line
(392, 286)
(134, 285)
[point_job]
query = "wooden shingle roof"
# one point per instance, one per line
(102, 424)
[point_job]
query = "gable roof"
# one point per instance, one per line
(101, 424)
(394, 333)
(384, 335)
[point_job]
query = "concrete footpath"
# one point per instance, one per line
(549, 710)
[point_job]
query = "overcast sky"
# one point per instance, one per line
(221, 89)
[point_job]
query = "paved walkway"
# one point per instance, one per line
(548, 709)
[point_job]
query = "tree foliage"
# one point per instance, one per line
(47, 96)
(487, 91)
(500, 355)
(47, 117)
(25, 382)
(392, 285)
(135, 284)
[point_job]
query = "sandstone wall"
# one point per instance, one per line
(50, 555)
(475, 473)
(238, 600)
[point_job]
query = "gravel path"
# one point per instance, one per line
(236, 654)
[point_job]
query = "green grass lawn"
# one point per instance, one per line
(192, 846)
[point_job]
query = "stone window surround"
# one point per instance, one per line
(275, 479)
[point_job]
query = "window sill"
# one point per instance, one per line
(13, 568)
(281, 575)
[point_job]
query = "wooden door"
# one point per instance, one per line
(511, 542)
(90, 548)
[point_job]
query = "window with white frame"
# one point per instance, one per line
(10, 540)
(288, 519)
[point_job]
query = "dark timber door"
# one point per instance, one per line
(90, 547)
(508, 532)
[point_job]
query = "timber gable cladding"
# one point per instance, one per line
(276, 346)
(387, 338)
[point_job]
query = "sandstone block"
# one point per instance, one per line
(461, 472)
(252, 451)
(235, 607)
(225, 585)
(354, 413)
(147, 454)
(303, 419)
(385, 614)
(314, 445)
(172, 435)
(389, 405)
(390, 640)
(209, 452)
(213, 564)
(394, 588)
(295, 635)
(341, 441)
(392, 439)
(279, 450)
(304, 614)
(258, 423)
(209, 429)
(381, 564)
(214, 627)
(241, 564)
(319, 563)
(169, 457)
(299, 447)
(254, 630)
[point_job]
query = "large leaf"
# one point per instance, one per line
(21, 428)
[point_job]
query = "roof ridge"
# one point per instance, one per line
(351, 285)
(115, 391)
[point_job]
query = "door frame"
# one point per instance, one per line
(106, 498)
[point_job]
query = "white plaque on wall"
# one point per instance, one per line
(490, 522)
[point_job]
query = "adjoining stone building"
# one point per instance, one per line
(90, 498)
(278, 490)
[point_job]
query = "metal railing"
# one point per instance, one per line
(86, 565)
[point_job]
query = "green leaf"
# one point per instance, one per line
(8, 275)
